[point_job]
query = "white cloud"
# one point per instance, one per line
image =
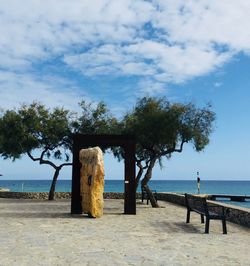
(162, 41)
(151, 87)
(188, 62)
(206, 22)
(110, 59)
(17, 89)
(149, 58)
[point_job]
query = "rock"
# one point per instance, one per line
(92, 181)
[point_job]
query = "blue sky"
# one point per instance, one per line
(116, 51)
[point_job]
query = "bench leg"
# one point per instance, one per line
(202, 218)
(224, 226)
(188, 216)
(207, 225)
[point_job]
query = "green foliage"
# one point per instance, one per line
(162, 128)
(95, 120)
(35, 127)
(11, 132)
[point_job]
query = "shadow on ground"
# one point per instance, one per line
(32, 209)
(51, 215)
(177, 227)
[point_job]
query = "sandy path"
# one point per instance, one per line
(36, 232)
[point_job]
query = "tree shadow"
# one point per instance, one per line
(50, 215)
(56, 209)
(51, 210)
(177, 227)
(28, 215)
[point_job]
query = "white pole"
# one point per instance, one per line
(198, 182)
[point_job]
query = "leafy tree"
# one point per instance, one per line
(162, 128)
(34, 129)
(95, 119)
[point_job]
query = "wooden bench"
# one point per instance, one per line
(199, 205)
(144, 195)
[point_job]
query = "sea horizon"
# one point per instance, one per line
(241, 180)
(231, 187)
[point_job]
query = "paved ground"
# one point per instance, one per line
(36, 232)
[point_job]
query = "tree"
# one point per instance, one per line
(162, 128)
(34, 129)
(95, 119)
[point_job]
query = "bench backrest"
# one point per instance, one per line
(196, 203)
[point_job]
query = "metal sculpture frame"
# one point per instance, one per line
(127, 142)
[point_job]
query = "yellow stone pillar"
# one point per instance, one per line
(92, 181)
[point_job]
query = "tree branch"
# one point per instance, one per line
(43, 153)
(65, 164)
(139, 163)
(171, 150)
(181, 146)
(41, 160)
(32, 157)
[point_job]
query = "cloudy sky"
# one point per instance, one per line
(59, 52)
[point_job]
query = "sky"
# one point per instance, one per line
(59, 52)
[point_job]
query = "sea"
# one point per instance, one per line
(181, 186)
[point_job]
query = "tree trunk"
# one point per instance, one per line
(138, 177)
(145, 180)
(53, 184)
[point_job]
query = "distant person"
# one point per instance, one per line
(198, 183)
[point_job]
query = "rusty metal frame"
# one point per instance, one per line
(127, 142)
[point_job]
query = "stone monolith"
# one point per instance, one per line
(92, 181)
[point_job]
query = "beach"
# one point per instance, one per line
(40, 232)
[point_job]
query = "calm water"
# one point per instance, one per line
(207, 187)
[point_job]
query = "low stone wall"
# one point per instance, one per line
(34, 195)
(172, 197)
(117, 195)
(234, 214)
(58, 195)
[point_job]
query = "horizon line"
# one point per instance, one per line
(123, 179)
